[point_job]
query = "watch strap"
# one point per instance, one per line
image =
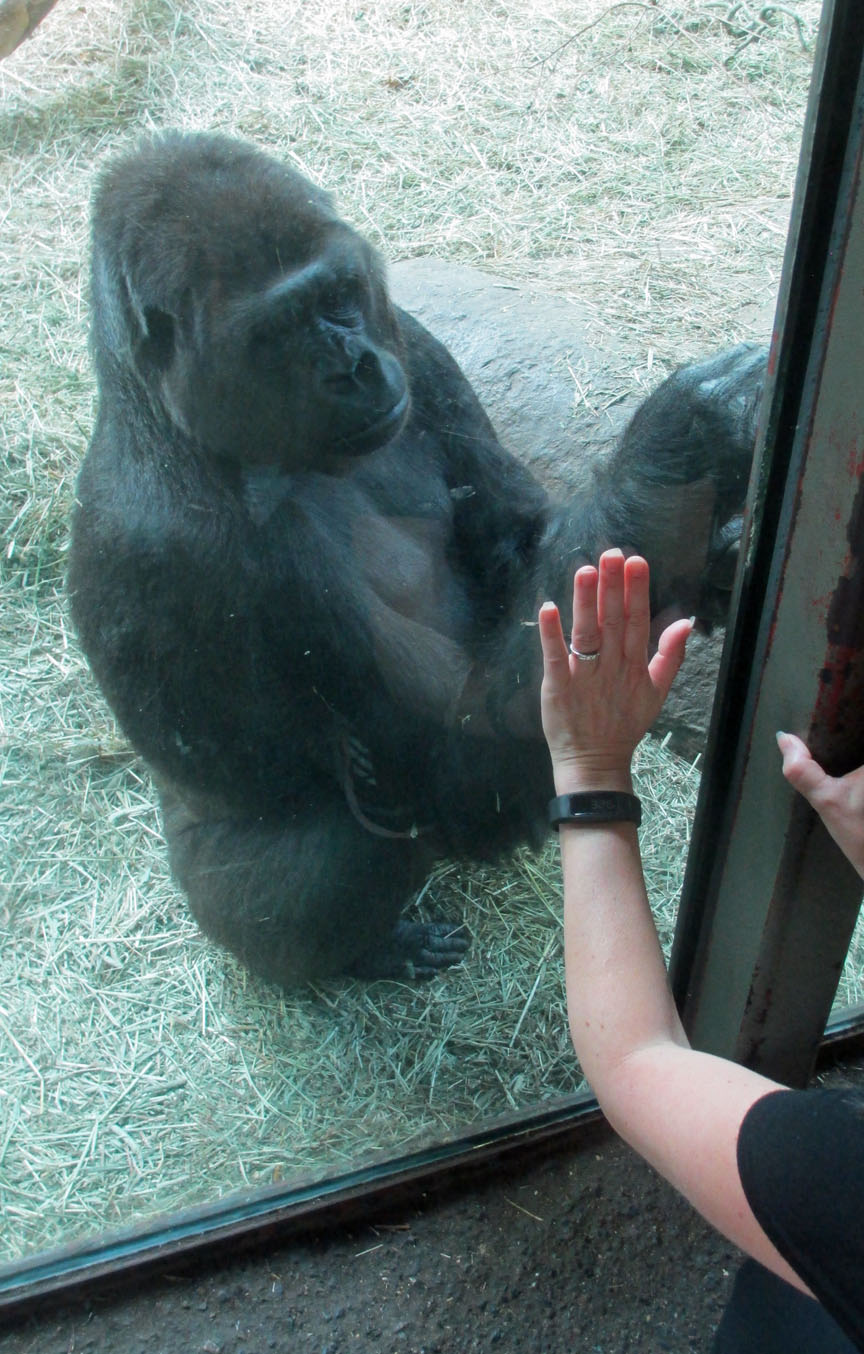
(595, 806)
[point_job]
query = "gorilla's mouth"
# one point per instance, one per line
(375, 434)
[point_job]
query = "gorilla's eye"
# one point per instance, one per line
(342, 304)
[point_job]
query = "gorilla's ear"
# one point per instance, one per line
(154, 349)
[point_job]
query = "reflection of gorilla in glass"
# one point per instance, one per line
(304, 569)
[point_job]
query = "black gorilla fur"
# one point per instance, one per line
(305, 571)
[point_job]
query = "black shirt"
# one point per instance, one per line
(801, 1161)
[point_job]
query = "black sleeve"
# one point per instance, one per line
(801, 1161)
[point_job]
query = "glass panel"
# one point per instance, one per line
(634, 164)
(850, 991)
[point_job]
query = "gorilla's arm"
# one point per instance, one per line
(500, 511)
(238, 652)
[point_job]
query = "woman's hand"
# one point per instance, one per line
(839, 800)
(596, 710)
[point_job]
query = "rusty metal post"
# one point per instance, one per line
(769, 902)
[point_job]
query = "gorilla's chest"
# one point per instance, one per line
(387, 550)
(405, 562)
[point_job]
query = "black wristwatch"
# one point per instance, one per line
(595, 806)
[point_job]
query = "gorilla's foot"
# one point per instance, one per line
(414, 949)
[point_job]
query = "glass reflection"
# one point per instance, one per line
(144, 1069)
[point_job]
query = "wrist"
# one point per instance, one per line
(575, 778)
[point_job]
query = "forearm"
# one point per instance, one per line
(618, 997)
(680, 1109)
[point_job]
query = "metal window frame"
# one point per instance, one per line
(768, 904)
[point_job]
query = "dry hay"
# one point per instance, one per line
(640, 156)
(145, 1069)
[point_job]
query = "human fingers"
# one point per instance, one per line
(663, 668)
(585, 635)
(801, 769)
(556, 666)
(839, 800)
(610, 602)
(637, 609)
(555, 705)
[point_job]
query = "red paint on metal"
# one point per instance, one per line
(772, 354)
(838, 716)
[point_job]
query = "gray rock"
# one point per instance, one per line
(542, 379)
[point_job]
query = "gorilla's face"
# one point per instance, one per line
(298, 374)
(258, 321)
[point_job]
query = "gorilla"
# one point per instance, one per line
(305, 572)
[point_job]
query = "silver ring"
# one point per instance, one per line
(585, 657)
